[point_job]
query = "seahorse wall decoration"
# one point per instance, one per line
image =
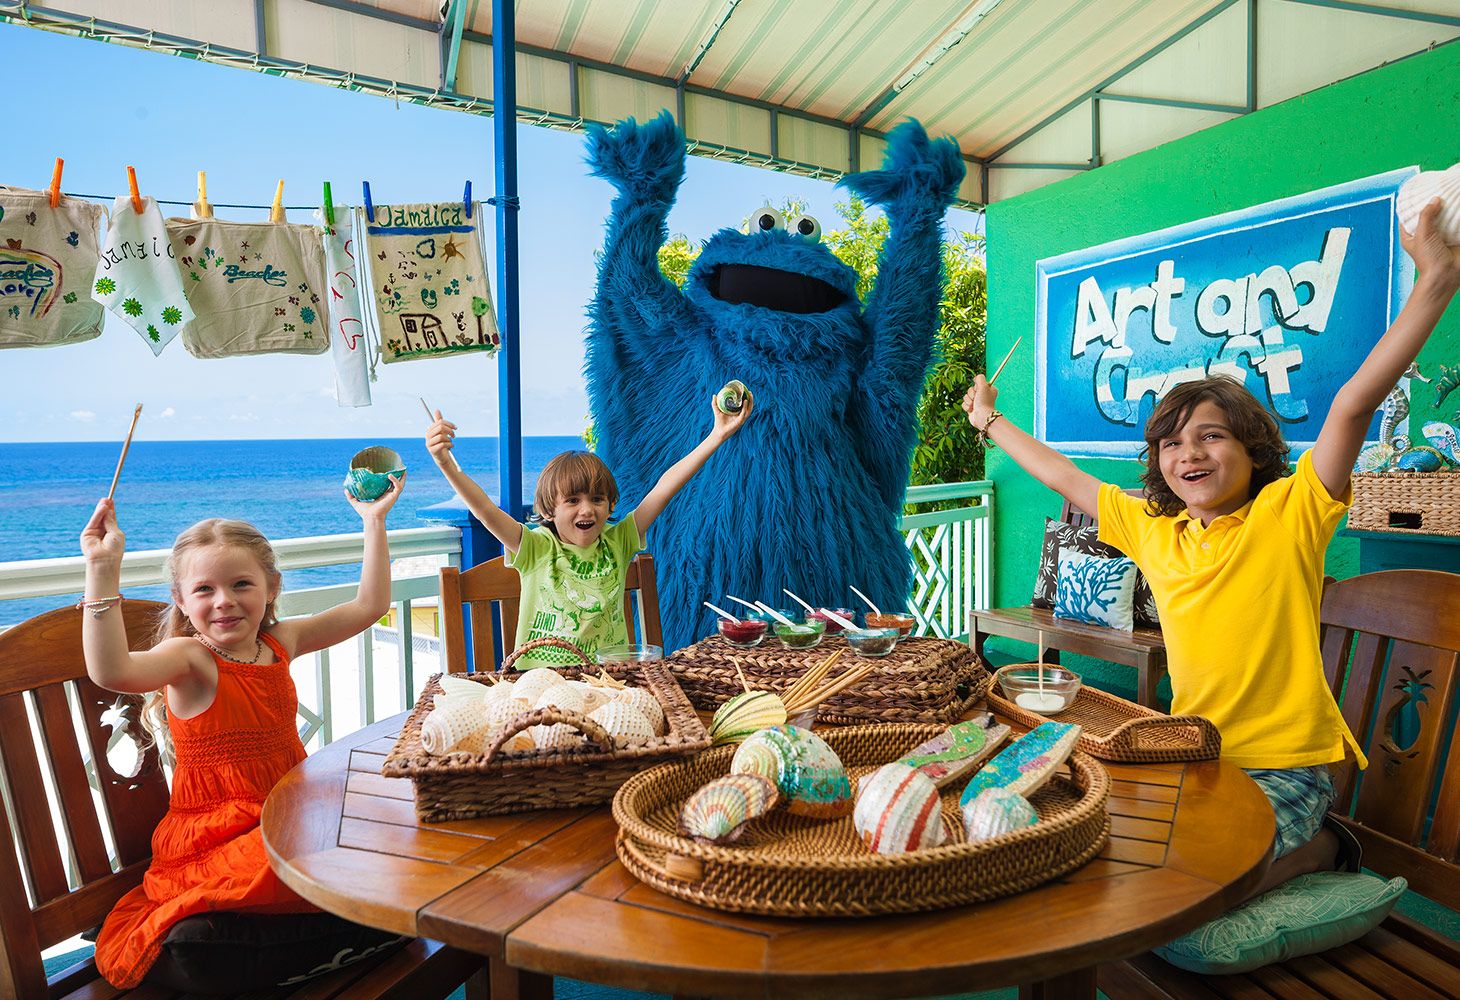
(807, 494)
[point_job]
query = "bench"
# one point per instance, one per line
(1391, 641)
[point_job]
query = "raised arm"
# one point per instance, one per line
(682, 471)
(506, 528)
(1034, 457)
(1353, 407)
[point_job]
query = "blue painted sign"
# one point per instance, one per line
(1287, 297)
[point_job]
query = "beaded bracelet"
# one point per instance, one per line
(983, 434)
(99, 606)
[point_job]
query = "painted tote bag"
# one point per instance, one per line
(256, 287)
(349, 347)
(137, 277)
(429, 281)
(47, 257)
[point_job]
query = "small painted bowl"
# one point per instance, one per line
(1021, 686)
(903, 623)
(630, 653)
(744, 633)
(872, 641)
(370, 472)
(802, 636)
(832, 628)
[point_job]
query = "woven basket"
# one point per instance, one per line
(1414, 503)
(461, 785)
(1119, 730)
(922, 680)
(792, 866)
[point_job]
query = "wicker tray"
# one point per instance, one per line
(1120, 730)
(1407, 503)
(922, 680)
(791, 866)
(461, 785)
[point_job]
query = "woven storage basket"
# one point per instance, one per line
(1413, 503)
(792, 866)
(461, 785)
(1120, 730)
(922, 680)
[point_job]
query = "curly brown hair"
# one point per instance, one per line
(1250, 422)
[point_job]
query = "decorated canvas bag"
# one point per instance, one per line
(47, 256)
(137, 277)
(429, 281)
(349, 346)
(256, 287)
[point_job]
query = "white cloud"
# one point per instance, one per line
(244, 418)
(168, 412)
(85, 416)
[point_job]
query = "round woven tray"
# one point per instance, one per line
(791, 866)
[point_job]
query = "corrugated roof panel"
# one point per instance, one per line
(224, 22)
(323, 36)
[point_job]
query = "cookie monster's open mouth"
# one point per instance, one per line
(784, 291)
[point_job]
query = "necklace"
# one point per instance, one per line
(258, 652)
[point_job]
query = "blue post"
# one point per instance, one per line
(478, 545)
(509, 364)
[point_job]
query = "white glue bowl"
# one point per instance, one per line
(1020, 685)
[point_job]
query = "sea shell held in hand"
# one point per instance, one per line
(561, 696)
(530, 684)
(898, 810)
(997, 811)
(808, 772)
(745, 714)
(731, 397)
(718, 811)
(625, 723)
(1418, 191)
(647, 704)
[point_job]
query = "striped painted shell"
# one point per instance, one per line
(997, 811)
(808, 773)
(718, 811)
(624, 723)
(647, 704)
(898, 810)
(745, 714)
(530, 684)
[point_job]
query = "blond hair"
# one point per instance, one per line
(569, 473)
(173, 623)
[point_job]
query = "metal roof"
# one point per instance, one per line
(1033, 90)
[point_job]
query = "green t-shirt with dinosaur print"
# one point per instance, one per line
(573, 592)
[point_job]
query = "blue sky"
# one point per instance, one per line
(102, 107)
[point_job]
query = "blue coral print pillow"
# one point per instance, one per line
(1096, 590)
(1060, 536)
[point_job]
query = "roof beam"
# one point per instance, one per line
(379, 14)
(939, 47)
(708, 40)
(456, 10)
(1396, 12)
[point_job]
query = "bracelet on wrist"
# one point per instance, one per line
(99, 606)
(983, 433)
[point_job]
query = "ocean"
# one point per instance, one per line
(288, 489)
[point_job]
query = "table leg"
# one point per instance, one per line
(508, 983)
(1078, 985)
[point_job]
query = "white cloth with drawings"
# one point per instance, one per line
(348, 343)
(137, 277)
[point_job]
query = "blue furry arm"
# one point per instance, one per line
(918, 181)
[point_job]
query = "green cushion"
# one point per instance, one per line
(1312, 913)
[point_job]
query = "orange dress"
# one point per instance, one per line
(208, 852)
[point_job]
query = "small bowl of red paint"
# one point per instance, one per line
(744, 633)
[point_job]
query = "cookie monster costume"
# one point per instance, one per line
(808, 494)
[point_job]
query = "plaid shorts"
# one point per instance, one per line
(1300, 797)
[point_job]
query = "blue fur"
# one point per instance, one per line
(808, 494)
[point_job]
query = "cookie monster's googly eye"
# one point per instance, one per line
(806, 226)
(764, 219)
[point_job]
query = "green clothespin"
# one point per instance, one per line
(329, 206)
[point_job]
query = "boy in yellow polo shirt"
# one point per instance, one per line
(1233, 548)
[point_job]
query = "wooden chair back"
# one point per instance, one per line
(492, 592)
(1070, 514)
(1391, 640)
(106, 839)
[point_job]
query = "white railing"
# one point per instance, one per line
(952, 555)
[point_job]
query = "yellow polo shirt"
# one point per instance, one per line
(1239, 603)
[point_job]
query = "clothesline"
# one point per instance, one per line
(107, 200)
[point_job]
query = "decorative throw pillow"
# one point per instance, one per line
(1060, 535)
(1312, 913)
(1096, 590)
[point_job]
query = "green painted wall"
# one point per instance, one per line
(1396, 116)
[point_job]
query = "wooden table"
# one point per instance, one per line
(543, 894)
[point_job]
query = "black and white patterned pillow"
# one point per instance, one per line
(1063, 535)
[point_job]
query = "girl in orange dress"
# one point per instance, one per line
(221, 705)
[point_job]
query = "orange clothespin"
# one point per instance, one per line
(276, 214)
(56, 183)
(136, 197)
(201, 208)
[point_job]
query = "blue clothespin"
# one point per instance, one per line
(329, 206)
(369, 206)
(466, 199)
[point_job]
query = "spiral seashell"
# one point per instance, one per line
(997, 811)
(625, 723)
(558, 736)
(455, 722)
(530, 684)
(731, 397)
(898, 810)
(647, 704)
(745, 714)
(561, 696)
(593, 697)
(1419, 190)
(808, 773)
(718, 811)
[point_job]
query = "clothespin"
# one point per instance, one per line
(201, 208)
(329, 206)
(369, 205)
(466, 199)
(136, 197)
(276, 214)
(56, 183)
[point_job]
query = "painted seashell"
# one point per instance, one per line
(718, 811)
(1374, 458)
(808, 772)
(1420, 458)
(370, 471)
(530, 684)
(731, 397)
(1444, 438)
(898, 810)
(647, 704)
(957, 750)
(558, 736)
(459, 685)
(1028, 762)
(561, 696)
(625, 723)
(1419, 190)
(745, 714)
(997, 811)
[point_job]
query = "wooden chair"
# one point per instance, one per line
(1391, 640)
(493, 591)
(42, 672)
(1143, 648)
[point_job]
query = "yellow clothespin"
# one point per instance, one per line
(201, 208)
(276, 214)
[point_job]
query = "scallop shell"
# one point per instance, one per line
(898, 810)
(718, 811)
(808, 772)
(997, 811)
(558, 736)
(561, 696)
(646, 703)
(530, 684)
(1374, 458)
(1417, 192)
(745, 714)
(1421, 458)
(625, 723)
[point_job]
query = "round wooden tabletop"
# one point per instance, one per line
(543, 893)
